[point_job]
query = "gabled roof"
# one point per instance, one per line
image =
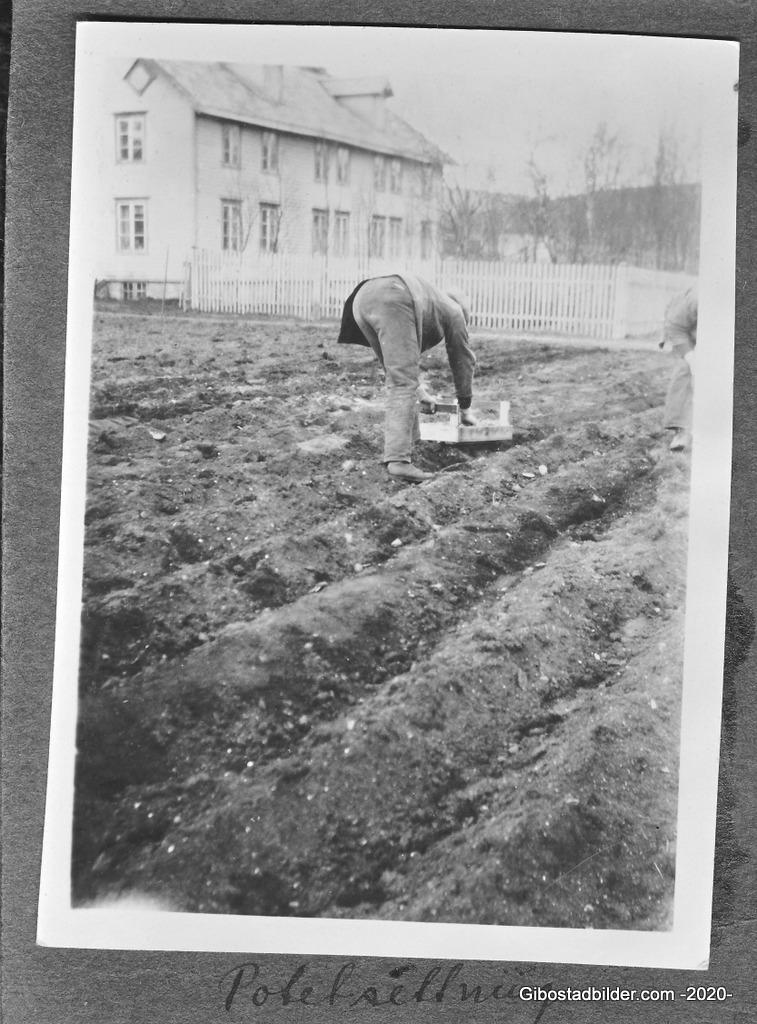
(301, 104)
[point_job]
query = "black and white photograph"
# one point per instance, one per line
(396, 469)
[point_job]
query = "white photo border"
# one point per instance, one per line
(686, 945)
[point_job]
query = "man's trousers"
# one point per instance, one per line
(384, 312)
(679, 399)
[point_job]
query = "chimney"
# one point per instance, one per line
(365, 97)
(267, 77)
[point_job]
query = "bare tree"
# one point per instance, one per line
(668, 167)
(665, 223)
(496, 221)
(603, 164)
(474, 222)
(603, 160)
(538, 212)
(606, 220)
(459, 221)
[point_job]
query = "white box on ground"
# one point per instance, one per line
(452, 431)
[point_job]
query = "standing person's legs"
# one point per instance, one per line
(383, 309)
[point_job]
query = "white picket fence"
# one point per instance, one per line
(589, 301)
(642, 297)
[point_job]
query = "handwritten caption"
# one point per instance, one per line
(246, 986)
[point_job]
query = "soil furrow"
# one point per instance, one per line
(293, 654)
(451, 747)
(264, 681)
(307, 690)
(264, 568)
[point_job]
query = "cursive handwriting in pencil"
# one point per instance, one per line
(245, 986)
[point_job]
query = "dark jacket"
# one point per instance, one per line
(349, 332)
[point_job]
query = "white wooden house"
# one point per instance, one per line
(254, 159)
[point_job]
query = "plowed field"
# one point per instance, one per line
(310, 690)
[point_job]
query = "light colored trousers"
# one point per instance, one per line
(679, 399)
(384, 312)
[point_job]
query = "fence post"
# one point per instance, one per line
(186, 287)
(620, 311)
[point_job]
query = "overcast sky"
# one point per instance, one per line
(491, 99)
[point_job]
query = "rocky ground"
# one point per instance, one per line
(309, 690)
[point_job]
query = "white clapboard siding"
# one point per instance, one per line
(515, 297)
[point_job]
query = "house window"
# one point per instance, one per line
(427, 180)
(270, 219)
(343, 165)
(133, 290)
(395, 176)
(132, 225)
(379, 173)
(378, 237)
(230, 135)
(139, 77)
(269, 160)
(395, 237)
(231, 225)
(321, 161)
(130, 138)
(341, 234)
(427, 240)
(320, 232)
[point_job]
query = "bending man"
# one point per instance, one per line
(399, 316)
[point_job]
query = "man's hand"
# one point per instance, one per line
(467, 418)
(427, 400)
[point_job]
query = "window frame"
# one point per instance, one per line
(131, 136)
(379, 173)
(132, 205)
(232, 207)
(343, 165)
(395, 237)
(341, 233)
(269, 152)
(427, 181)
(321, 161)
(395, 176)
(133, 291)
(378, 230)
(427, 239)
(131, 77)
(320, 231)
(231, 144)
(270, 221)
